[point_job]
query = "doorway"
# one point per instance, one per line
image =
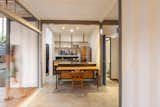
(65, 42)
(111, 53)
(108, 57)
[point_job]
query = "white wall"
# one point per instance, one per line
(93, 38)
(115, 58)
(26, 40)
(111, 31)
(94, 43)
(43, 49)
(49, 41)
(141, 50)
(108, 56)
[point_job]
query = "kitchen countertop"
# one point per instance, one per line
(74, 63)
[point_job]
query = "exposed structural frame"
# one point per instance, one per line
(40, 74)
(120, 52)
(84, 22)
(110, 22)
(28, 18)
(13, 16)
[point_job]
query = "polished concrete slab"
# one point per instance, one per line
(17, 99)
(66, 96)
(3, 74)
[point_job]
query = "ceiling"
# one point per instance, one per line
(1, 15)
(74, 28)
(15, 8)
(109, 30)
(92, 10)
(77, 29)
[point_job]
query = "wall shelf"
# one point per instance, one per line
(79, 42)
(65, 48)
(69, 45)
(67, 57)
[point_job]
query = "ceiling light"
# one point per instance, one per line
(77, 28)
(107, 39)
(114, 36)
(71, 30)
(101, 31)
(63, 27)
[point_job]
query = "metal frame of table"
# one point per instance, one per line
(77, 68)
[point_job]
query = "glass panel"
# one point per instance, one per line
(2, 30)
(18, 58)
(24, 56)
(3, 73)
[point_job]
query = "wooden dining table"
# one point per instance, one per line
(79, 67)
(71, 68)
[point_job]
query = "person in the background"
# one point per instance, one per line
(11, 59)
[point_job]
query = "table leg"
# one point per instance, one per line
(97, 77)
(56, 80)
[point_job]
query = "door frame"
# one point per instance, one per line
(110, 71)
(120, 52)
(104, 82)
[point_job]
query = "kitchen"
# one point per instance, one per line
(74, 46)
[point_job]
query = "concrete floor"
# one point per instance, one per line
(66, 96)
(3, 74)
(17, 100)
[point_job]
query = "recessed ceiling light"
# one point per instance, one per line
(71, 30)
(107, 38)
(101, 31)
(63, 27)
(77, 28)
(114, 36)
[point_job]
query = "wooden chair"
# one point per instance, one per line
(77, 76)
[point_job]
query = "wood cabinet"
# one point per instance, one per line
(85, 53)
